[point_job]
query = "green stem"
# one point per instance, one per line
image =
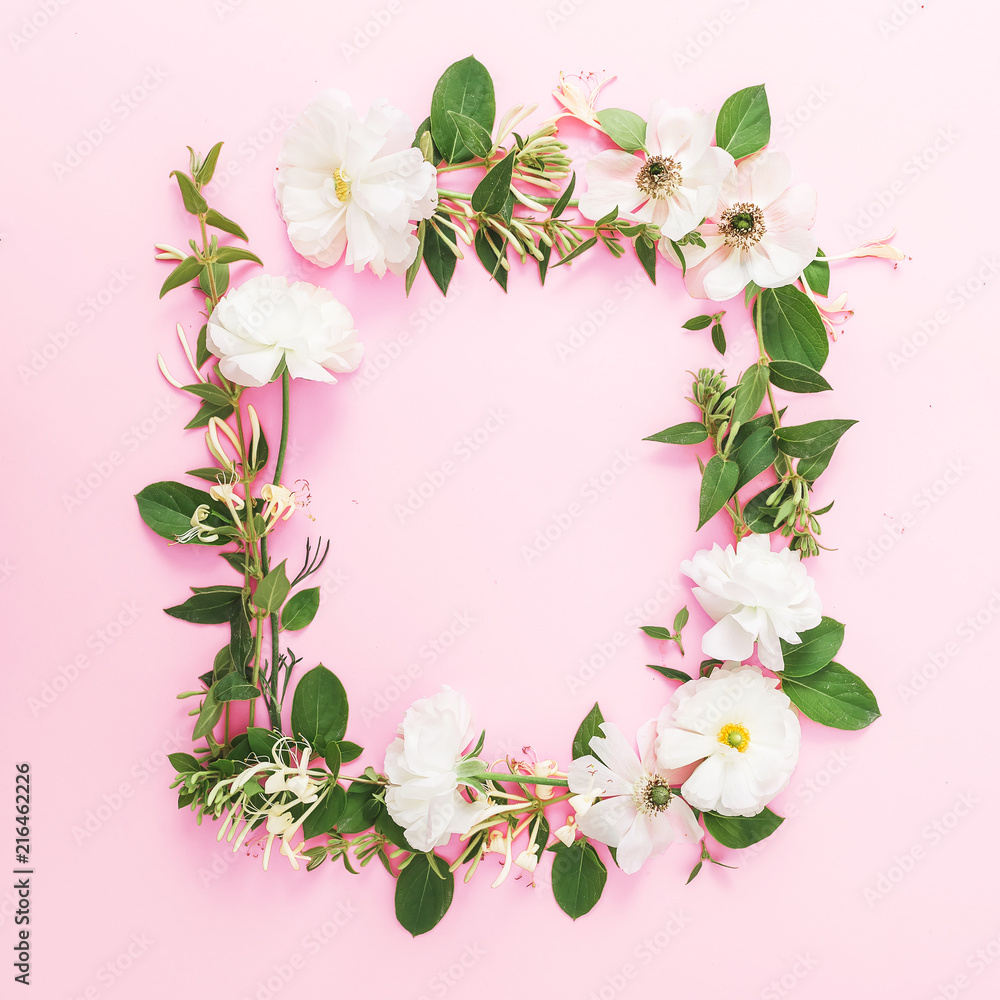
(521, 779)
(455, 195)
(279, 465)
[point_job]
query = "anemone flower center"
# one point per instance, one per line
(742, 226)
(734, 735)
(651, 794)
(659, 177)
(342, 183)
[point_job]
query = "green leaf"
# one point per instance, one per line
(229, 255)
(466, 88)
(791, 327)
(833, 696)
(208, 717)
(669, 672)
(272, 590)
(185, 271)
(588, 729)
(233, 687)
(488, 256)
(389, 828)
(325, 816)
(817, 275)
(193, 201)
(750, 392)
(235, 559)
(218, 221)
(719, 338)
(697, 323)
(213, 608)
(564, 199)
(624, 128)
(167, 508)
(220, 275)
(183, 763)
(812, 439)
(240, 636)
(300, 610)
(797, 377)
(207, 168)
(202, 353)
(744, 122)
(422, 895)
(748, 427)
(491, 192)
(211, 392)
(411, 271)
(812, 468)
(656, 632)
(818, 647)
(718, 483)
(319, 707)
(543, 262)
(742, 831)
(439, 259)
(750, 293)
(333, 757)
(645, 250)
(361, 809)
(205, 413)
(578, 877)
(350, 751)
(577, 251)
(756, 454)
(425, 126)
(473, 134)
(688, 433)
(222, 664)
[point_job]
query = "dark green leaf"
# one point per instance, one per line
(656, 632)
(578, 877)
(350, 751)
(439, 259)
(361, 809)
(422, 895)
(325, 816)
(183, 763)
(466, 88)
(812, 439)
(167, 508)
(411, 271)
(688, 433)
(817, 274)
(391, 830)
(645, 250)
(545, 250)
(212, 475)
(240, 636)
(758, 516)
(319, 707)
(697, 323)
(812, 468)
(237, 560)
(333, 757)
(202, 353)
(473, 134)
(218, 221)
(744, 122)
(588, 729)
(750, 392)
(272, 590)
(757, 453)
(833, 696)
(488, 256)
(791, 327)
(796, 377)
(205, 609)
(208, 717)
(193, 201)
(210, 392)
(742, 831)
(577, 250)
(207, 168)
(818, 647)
(205, 413)
(718, 483)
(670, 673)
(491, 192)
(564, 199)
(624, 128)
(233, 687)
(694, 873)
(185, 271)
(230, 255)
(300, 610)
(425, 126)
(719, 338)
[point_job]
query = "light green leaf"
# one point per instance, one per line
(588, 729)
(300, 610)
(473, 134)
(692, 432)
(744, 122)
(624, 128)
(272, 590)
(750, 392)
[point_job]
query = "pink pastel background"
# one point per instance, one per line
(883, 880)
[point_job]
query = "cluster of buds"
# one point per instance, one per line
(793, 516)
(708, 393)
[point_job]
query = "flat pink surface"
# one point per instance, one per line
(883, 880)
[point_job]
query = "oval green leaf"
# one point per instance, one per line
(818, 647)
(797, 377)
(834, 697)
(423, 894)
(742, 831)
(718, 483)
(791, 327)
(300, 610)
(744, 122)
(578, 877)
(466, 88)
(319, 707)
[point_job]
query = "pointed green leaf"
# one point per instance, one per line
(300, 610)
(588, 729)
(488, 256)
(325, 816)
(218, 221)
(833, 696)
(233, 687)
(697, 323)
(207, 169)
(756, 455)
(439, 259)
(422, 895)
(670, 673)
(624, 128)
(473, 134)
(719, 338)
(817, 275)
(718, 483)
(187, 270)
(272, 590)
(692, 432)
(319, 707)
(582, 248)
(491, 192)
(742, 831)
(213, 608)
(796, 377)
(791, 327)
(818, 647)
(167, 508)
(750, 392)
(812, 439)
(744, 122)
(229, 255)
(578, 877)
(193, 201)
(466, 88)
(564, 199)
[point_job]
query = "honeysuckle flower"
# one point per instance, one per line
(880, 247)
(215, 446)
(674, 187)
(544, 769)
(755, 596)
(566, 834)
(580, 98)
(424, 795)
(267, 321)
(346, 183)
(639, 814)
(226, 493)
(758, 232)
(199, 530)
(280, 501)
(742, 731)
(528, 859)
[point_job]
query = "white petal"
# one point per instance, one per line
(608, 820)
(727, 640)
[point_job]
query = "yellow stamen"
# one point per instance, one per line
(734, 735)
(343, 184)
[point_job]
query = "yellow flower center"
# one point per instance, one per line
(342, 183)
(734, 735)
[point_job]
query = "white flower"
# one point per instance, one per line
(754, 595)
(741, 729)
(675, 187)
(347, 182)
(266, 320)
(760, 231)
(423, 796)
(638, 813)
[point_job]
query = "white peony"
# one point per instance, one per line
(760, 231)
(423, 796)
(345, 182)
(266, 319)
(675, 187)
(635, 812)
(754, 595)
(742, 730)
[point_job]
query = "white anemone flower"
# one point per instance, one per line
(675, 187)
(355, 185)
(424, 795)
(637, 812)
(755, 596)
(759, 231)
(742, 731)
(266, 321)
